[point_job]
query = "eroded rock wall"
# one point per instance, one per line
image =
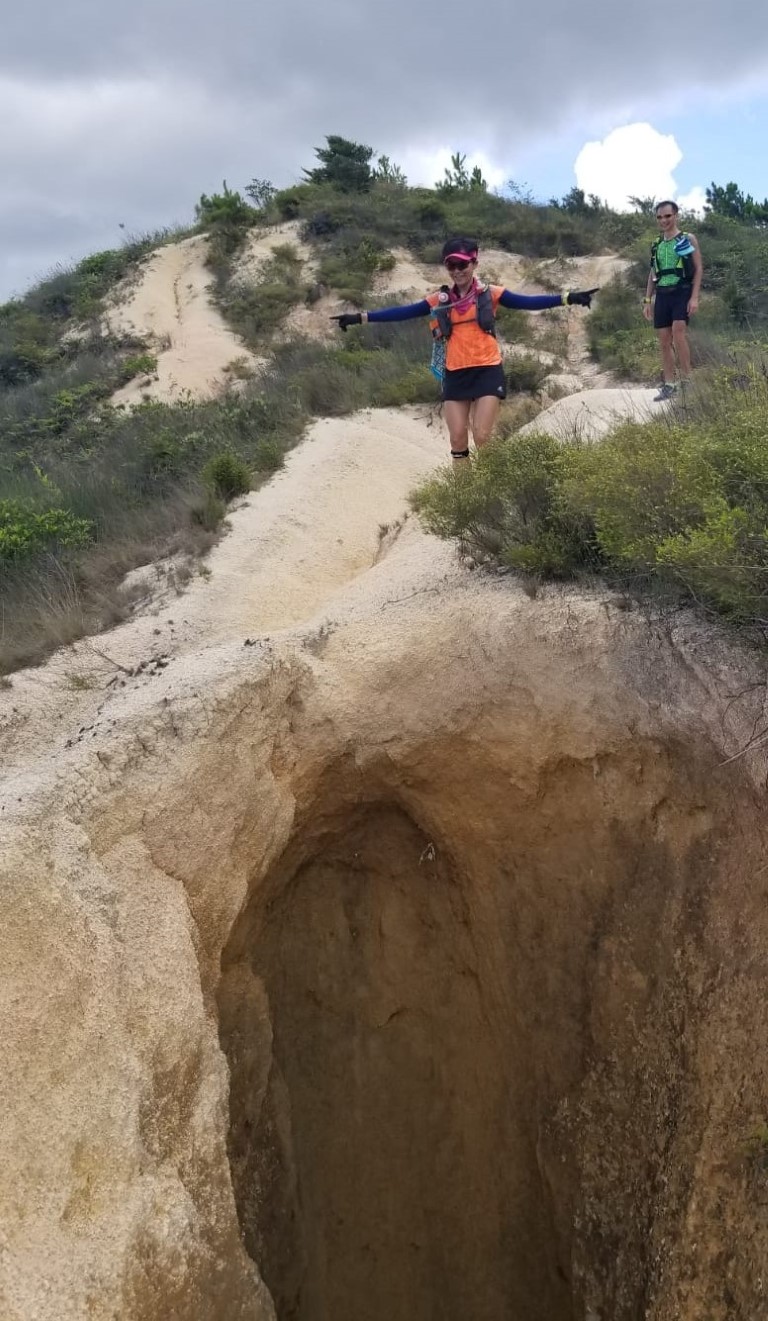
(468, 908)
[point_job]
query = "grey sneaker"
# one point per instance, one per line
(667, 391)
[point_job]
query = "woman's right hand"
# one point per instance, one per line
(647, 310)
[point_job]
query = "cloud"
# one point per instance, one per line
(633, 161)
(693, 201)
(427, 166)
(127, 112)
(128, 152)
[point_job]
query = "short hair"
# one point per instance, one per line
(659, 205)
(460, 244)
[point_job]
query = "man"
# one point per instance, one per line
(672, 292)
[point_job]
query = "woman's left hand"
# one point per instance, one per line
(582, 297)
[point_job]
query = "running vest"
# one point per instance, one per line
(440, 322)
(679, 251)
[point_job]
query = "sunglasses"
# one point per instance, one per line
(457, 265)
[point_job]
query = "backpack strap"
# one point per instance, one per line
(683, 269)
(441, 316)
(485, 317)
(441, 323)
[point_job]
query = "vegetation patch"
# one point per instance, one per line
(679, 502)
(257, 309)
(228, 475)
(88, 491)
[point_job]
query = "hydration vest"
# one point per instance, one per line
(683, 269)
(440, 322)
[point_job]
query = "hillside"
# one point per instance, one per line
(384, 933)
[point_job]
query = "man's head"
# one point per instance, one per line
(666, 215)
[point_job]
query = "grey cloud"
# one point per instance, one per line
(546, 52)
(206, 91)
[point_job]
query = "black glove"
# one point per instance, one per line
(348, 319)
(582, 297)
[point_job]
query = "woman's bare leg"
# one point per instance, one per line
(485, 415)
(457, 419)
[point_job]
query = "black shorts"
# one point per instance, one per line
(470, 383)
(671, 305)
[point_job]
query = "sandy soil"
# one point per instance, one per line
(170, 307)
(293, 546)
(588, 414)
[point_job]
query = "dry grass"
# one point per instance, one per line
(56, 602)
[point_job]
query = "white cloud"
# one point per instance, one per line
(633, 161)
(425, 168)
(693, 201)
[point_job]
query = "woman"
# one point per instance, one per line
(463, 317)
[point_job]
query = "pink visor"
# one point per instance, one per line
(460, 256)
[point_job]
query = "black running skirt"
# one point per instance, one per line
(469, 383)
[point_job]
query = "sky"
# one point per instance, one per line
(117, 117)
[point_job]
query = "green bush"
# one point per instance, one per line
(140, 364)
(208, 510)
(225, 208)
(228, 475)
(507, 507)
(416, 385)
(681, 502)
(514, 325)
(26, 531)
(162, 455)
(525, 373)
(350, 266)
(294, 202)
(269, 456)
(78, 293)
(27, 345)
(257, 309)
(620, 337)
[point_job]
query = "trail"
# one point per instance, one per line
(169, 305)
(294, 547)
(291, 547)
(298, 866)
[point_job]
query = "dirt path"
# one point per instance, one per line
(586, 273)
(294, 547)
(170, 307)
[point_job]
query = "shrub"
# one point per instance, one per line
(416, 385)
(162, 455)
(294, 202)
(140, 364)
(26, 531)
(228, 475)
(507, 507)
(349, 267)
(525, 373)
(619, 336)
(682, 502)
(269, 456)
(208, 510)
(224, 208)
(257, 309)
(262, 193)
(514, 325)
